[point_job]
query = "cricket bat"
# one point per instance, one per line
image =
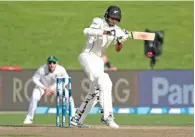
(141, 35)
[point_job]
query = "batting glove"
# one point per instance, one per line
(111, 32)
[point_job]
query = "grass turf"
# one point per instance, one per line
(122, 119)
(31, 31)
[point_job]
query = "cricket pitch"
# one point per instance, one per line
(94, 131)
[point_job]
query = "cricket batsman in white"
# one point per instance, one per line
(45, 81)
(101, 33)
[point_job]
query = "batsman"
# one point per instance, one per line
(102, 33)
(45, 84)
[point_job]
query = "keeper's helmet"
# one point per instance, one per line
(113, 15)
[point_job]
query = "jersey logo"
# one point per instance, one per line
(115, 11)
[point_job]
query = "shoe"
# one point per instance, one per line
(110, 122)
(27, 121)
(102, 120)
(75, 123)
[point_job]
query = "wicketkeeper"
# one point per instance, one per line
(45, 81)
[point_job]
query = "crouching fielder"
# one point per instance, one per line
(101, 33)
(45, 81)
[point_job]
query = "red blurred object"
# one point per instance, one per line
(118, 47)
(150, 54)
(11, 68)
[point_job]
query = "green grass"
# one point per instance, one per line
(31, 31)
(122, 119)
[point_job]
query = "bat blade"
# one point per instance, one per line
(142, 35)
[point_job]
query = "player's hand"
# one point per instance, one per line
(125, 31)
(47, 91)
(110, 33)
(123, 36)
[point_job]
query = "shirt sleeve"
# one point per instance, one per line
(96, 23)
(36, 78)
(95, 28)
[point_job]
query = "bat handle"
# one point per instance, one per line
(130, 35)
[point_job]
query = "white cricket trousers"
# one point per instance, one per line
(37, 95)
(93, 65)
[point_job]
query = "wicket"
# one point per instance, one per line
(64, 101)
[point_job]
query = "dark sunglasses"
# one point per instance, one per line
(50, 62)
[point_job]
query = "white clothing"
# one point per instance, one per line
(43, 78)
(97, 42)
(93, 65)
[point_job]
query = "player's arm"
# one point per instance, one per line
(108, 64)
(36, 78)
(95, 29)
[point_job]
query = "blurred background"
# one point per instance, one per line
(152, 85)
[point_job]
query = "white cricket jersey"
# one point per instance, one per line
(43, 78)
(97, 42)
